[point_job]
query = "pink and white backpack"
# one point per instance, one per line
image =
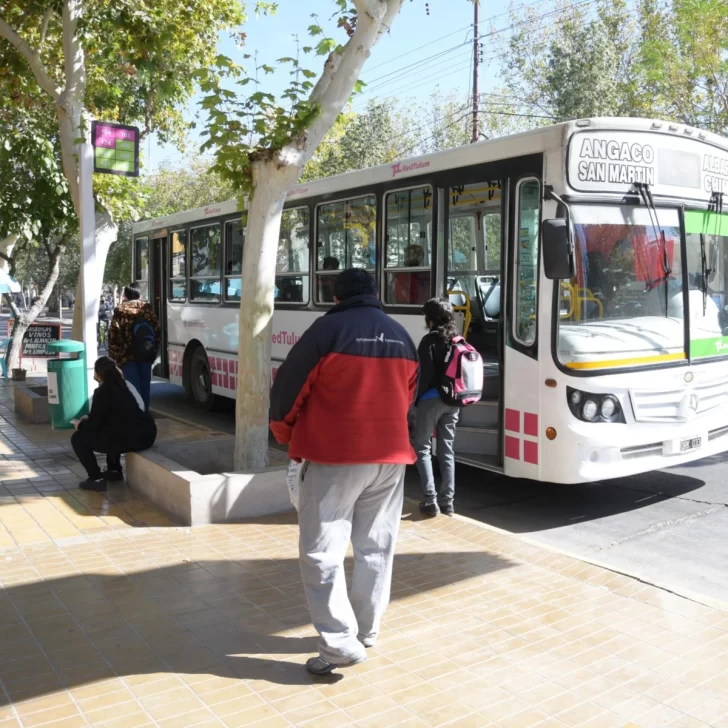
(462, 381)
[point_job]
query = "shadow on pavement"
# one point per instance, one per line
(221, 618)
(524, 506)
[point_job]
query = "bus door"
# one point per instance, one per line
(474, 254)
(157, 297)
(521, 380)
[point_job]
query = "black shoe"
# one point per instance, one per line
(447, 509)
(98, 485)
(113, 476)
(429, 509)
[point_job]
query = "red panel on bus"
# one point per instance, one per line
(513, 448)
(513, 420)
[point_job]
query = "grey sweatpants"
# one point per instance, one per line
(338, 504)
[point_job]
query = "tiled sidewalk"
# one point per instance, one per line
(112, 616)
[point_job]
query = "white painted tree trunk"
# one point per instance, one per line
(256, 311)
(273, 174)
(25, 320)
(106, 233)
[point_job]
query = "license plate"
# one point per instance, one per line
(690, 443)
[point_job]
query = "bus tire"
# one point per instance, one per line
(200, 380)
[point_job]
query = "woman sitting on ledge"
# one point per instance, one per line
(117, 423)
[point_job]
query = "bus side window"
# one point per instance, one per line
(234, 243)
(141, 265)
(525, 282)
(177, 266)
(292, 277)
(205, 263)
(408, 246)
(346, 234)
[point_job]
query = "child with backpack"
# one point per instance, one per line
(451, 377)
(134, 340)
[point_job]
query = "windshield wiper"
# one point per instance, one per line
(705, 272)
(716, 202)
(646, 194)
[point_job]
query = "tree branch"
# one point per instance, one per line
(73, 56)
(33, 59)
(44, 27)
(11, 261)
(12, 305)
(342, 69)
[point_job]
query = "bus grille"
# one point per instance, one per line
(641, 451)
(670, 406)
(720, 432)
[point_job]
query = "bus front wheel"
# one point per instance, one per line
(200, 380)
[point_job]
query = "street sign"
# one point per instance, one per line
(36, 339)
(116, 148)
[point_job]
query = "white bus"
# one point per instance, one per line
(588, 260)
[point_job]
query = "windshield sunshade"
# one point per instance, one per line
(625, 306)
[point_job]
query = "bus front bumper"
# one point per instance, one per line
(605, 451)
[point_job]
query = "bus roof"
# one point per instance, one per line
(535, 141)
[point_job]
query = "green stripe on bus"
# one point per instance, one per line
(710, 223)
(715, 346)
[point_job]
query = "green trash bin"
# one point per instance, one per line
(67, 386)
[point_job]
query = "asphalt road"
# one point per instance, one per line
(668, 527)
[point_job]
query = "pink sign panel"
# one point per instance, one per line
(116, 148)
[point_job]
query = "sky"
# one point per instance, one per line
(430, 45)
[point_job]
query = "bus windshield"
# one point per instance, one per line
(625, 305)
(707, 259)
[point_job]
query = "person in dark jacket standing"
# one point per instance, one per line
(116, 424)
(133, 340)
(340, 402)
(434, 415)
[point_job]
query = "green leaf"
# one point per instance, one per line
(326, 46)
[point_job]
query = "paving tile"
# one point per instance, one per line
(149, 624)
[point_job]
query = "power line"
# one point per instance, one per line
(429, 80)
(439, 131)
(404, 68)
(432, 136)
(469, 26)
(424, 66)
(527, 21)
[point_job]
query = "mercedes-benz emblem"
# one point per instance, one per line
(689, 405)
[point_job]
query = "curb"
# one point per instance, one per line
(702, 599)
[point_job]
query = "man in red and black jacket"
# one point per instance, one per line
(340, 402)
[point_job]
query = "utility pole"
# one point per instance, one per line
(476, 57)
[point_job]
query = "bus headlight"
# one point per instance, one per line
(589, 410)
(608, 408)
(594, 407)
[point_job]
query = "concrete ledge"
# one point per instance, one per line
(31, 403)
(194, 482)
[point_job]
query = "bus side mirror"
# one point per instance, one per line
(558, 250)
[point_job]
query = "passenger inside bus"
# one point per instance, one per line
(474, 261)
(326, 283)
(412, 288)
(290, 291)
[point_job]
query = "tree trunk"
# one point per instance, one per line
(23, 321)
(273, 174)
(271, 179)
(106, 232)
(54, 302)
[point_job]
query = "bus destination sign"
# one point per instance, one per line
(116, 148)
(603, 161)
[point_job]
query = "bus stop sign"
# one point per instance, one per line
(116, 148)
